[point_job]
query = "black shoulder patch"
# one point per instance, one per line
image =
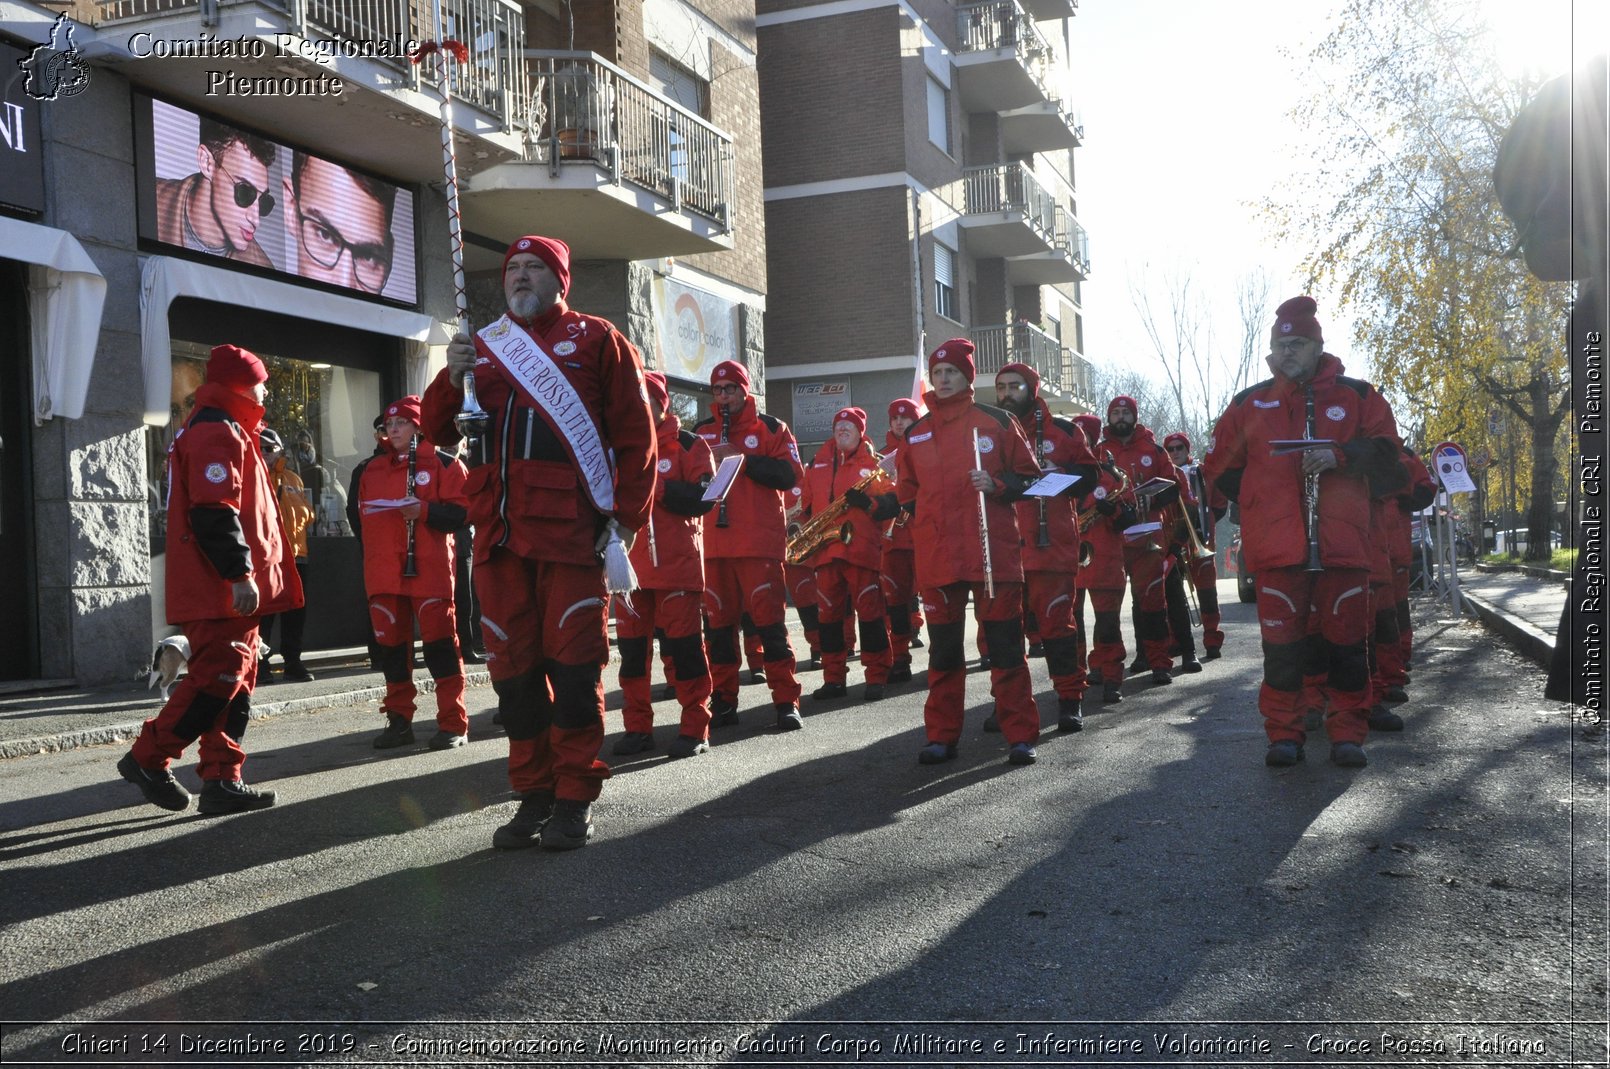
(1000, 415)
(1250, 390)
(213, 415)
(1358, 386)
(446, 458)
(686, 438)
(772, 423)
(1067, 426)
(918, 422)
(710, 422)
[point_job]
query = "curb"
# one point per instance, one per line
(1533, 643)
(1533, 570)
(97, 736)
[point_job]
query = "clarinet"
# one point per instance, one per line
(1311, 488)
(410, 567)
(1044, 539)
(726, 428)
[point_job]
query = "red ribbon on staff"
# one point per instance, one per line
(426, 48)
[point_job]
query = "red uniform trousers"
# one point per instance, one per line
(547, 640)
(1205, 577)
(843, 588)
(392, 618)
(1001, 616)
(1050, 599)
(1314, 624)
(801, 581)
(1148, 570)
(1107, 653)
(733, 585)
(1384, 646)
(899, 581)
(754, 651)
(1395, 664)
(212, 703)
(674, 616)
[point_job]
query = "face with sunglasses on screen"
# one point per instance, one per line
(340, 222)
(219, 208)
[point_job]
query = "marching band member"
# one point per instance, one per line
(963, 466)
(744, 545)
(669, 562)
(899, 569)
(1389, 591)
(569, 460)
(1102, 519)
(1421, 492)
(847, 569)
(1204, 572)
(801, 580)
(408, 573)
(1306, 526)
(1133, 448)
(1048, 530)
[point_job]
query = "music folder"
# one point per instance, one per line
(1056, 483)
(725, 474)
(1280, 447)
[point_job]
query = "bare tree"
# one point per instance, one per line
(1179, 335)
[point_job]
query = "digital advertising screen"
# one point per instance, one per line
(217, 190)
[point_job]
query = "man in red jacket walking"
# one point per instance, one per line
(1204, 516)
(669, 561)
(1048, 530)
(1356, 460)
(569, 460)
(847, 571)
(1132, 447)
(1102, 516)
(408, 572)
(899, 565)
(228, 565)
(744, 545)
(961, 458)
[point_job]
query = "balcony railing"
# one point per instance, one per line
(1021, 343)
(493, 31)
(1071, 237)
(1002, 24)
(585, 110)
(1011, 187)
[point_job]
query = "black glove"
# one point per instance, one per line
(857, 499)
(1107, 506)
(1126, 519)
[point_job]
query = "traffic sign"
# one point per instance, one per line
(1451, 467)
(1482, 458)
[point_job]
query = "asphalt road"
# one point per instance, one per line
(1148, 891)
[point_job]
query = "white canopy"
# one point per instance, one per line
(65, 296)
(165, 279)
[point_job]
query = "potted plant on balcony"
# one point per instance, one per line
(581, 109)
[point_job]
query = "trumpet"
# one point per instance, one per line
(1185, 533)
(1088, 516)
(830, 525)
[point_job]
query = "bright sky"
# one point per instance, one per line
(1185, 109)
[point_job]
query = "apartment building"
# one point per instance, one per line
(179, 173)
(919, 161)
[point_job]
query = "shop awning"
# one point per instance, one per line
(65, 296)
(165, 279)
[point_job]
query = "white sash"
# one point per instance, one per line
(534, 374)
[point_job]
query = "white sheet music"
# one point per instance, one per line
(728, 471)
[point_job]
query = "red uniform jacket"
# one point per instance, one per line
(933, 467)
(1144, 460)
(684, 467)
(1106, 568)
(1217, 503)
(899, 535)
(829, 475)
(1062, 448)
(1270, 488)
(223, 519)
(755, 525)
(528, 496)
(439, 483)
(1420, 492)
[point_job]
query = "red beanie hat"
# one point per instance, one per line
(1295, 318)
(1030, 376)
(407, 408)
(854, 415)
(730, 371)
(1123, 400)
(1090, 423)
(903, 406)
(658, 392)
(1178, 437)
(957, 352)
(551, 251)
(235, 368)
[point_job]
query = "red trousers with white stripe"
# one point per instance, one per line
(547, 640)
(843, 588)
(733, 586)
(1148, 569)
(392, 618)
(1050, 599)
(210, 705)
(677, 616)
(1314, 624)
(1002, 617)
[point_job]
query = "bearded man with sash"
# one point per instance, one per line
(568, 462)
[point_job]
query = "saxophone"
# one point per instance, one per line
(829, 525)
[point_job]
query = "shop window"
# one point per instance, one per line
(324, 414)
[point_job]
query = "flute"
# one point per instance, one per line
(1311, 489)
(410, 566)
(1044, 539)
(983, 521)
(726, 427)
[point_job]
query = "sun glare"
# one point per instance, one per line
(1547, 37)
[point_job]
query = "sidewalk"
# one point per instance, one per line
(1523, 608)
